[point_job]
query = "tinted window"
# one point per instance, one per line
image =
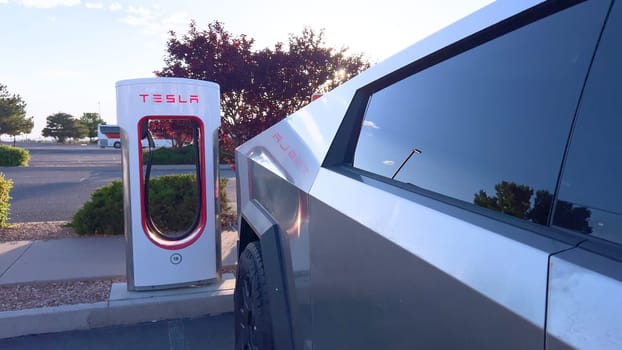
(109, 129)
(590, 195)
(490, 125)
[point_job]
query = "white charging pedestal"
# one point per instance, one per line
(163, 251)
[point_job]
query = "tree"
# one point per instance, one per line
(17, 125)
(510, 199)
(258, 88)
(90, 121)
(13, 119)
(63, 126)
(515, 200)
(180, 131)
(542, 205)
(575, 218)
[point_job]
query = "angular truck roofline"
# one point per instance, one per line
(295, 147)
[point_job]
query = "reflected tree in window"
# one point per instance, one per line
(516, 200)
(542, 206)
(572, 217)
(510, 198)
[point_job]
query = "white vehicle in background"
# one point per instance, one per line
(108, 136)
(168, 143)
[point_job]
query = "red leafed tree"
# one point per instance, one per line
(258, 87)
(180, 131)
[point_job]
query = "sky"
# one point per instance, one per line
(66, 55)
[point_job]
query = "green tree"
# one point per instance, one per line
(573, 217)
(511, 198)
(17, 125)
(90, 121)
(514, 199)
(63, 126)
(13, 119)
(258, 88)
(541, 207)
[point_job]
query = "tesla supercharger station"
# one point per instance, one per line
(173, 252)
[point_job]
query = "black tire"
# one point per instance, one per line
(253, 326)
(117, 144)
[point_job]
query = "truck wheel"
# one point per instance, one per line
(253, 326)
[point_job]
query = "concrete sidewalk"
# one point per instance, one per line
(67, 259)
(93, 258)
(73, 259)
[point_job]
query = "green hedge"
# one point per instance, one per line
(167, 155)
(5, 189)
(172, 203)
(13, 156)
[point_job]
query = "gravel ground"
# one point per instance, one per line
(37, 231)
(35, 295)
(28, 296)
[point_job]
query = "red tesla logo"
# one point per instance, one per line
(168, 98)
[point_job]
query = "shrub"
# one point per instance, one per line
(172, 201)
(5, 189)
(103, 213)
(172, 204)
(167, 155)
(227, 216)
(13, 156)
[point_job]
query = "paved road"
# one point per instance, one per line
(61, 178)
(213, 333)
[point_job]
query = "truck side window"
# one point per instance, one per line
(490, 125)
(590, 195)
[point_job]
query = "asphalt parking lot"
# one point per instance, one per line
(61, 178)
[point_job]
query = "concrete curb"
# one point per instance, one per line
(123, 308)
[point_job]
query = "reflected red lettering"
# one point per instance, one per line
(290, 153)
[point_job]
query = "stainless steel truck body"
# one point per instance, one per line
(464, 193)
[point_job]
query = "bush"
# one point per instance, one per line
(13, 156)
(5, 189)
(103, 213)
(172, 204)
(227, 216)
(167, 155)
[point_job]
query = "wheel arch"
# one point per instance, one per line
(246, 235)
(256, 224)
